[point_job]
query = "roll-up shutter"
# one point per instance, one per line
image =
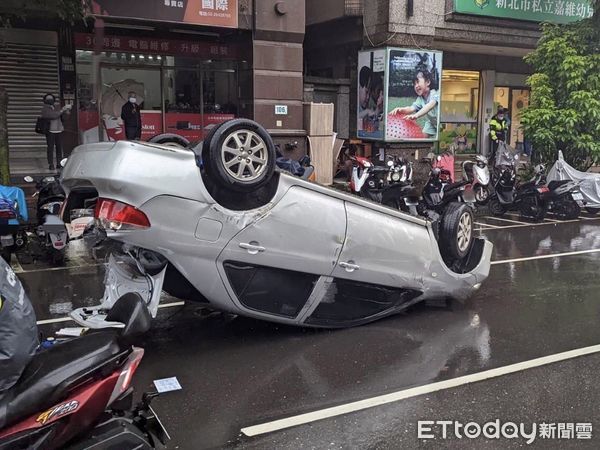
(28, 70)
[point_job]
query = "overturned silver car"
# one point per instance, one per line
(218, 224)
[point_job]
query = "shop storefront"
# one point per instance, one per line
(461, 115)
(183, 86)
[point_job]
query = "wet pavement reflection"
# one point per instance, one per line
(237, 372)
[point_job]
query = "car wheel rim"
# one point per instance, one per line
(244, 155)
(464, 232)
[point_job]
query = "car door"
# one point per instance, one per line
(380, 268)
(272, 265)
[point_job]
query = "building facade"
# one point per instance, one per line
(192, 63)
(483, 44)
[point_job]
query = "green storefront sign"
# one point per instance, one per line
(556, 11)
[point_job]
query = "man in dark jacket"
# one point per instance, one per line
(132, 118)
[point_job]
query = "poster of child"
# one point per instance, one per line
(371, 91)
(413, 107)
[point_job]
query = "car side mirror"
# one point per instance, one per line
(63, 162)
(28, 178)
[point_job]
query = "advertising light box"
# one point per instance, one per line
(398, 94)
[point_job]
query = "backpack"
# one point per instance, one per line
(42, 126)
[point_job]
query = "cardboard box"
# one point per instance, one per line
(318, 119)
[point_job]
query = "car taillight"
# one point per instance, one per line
(119, 216)
(543, 190)
(126, 375)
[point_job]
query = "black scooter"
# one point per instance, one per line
(51, 230)
(390, 185)
(509, 195)
(562, 196)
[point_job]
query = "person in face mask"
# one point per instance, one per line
(498, 131)
(53, 114)
(132, 118)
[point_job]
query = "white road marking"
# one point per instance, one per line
(486, 225)
(552, 220)
(537, 224)
(551, 255)
(16, 265)
(52, 269)
(60, 319)
(506, 220)
(68, 319)
(360, 405)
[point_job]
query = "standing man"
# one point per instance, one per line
(132, 118)
(53, 115)
(498, 131)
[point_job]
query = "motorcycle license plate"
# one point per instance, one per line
(577, 196)
(7, 240)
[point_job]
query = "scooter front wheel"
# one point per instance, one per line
(482, 194)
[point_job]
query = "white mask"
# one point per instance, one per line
(132, 99)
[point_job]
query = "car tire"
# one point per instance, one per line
(239, 155)
(457, 231)
(495, 207)
(592, 211)
(170, 140)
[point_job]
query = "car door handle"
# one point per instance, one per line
(252, 247)
(349, 266)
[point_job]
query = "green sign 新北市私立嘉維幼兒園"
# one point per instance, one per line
(556, 11)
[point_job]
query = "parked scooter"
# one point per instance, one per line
(440, 191)
(13, 214)
(77, 394)
(509, 195)
(564, 197)
(50, 229)
(390, 185)
(478, 174)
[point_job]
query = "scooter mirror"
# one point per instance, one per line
(28, 179)
(63, 162)
(390, 163)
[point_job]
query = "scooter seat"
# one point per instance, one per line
(52, 373)
(556, 183)
(455, 185)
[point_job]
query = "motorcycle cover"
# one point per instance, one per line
(17, 195)
(590, 182)
(505, 155)
(18, 329)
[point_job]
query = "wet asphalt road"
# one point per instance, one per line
(238, 372)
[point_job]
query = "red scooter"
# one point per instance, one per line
(77, 394)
